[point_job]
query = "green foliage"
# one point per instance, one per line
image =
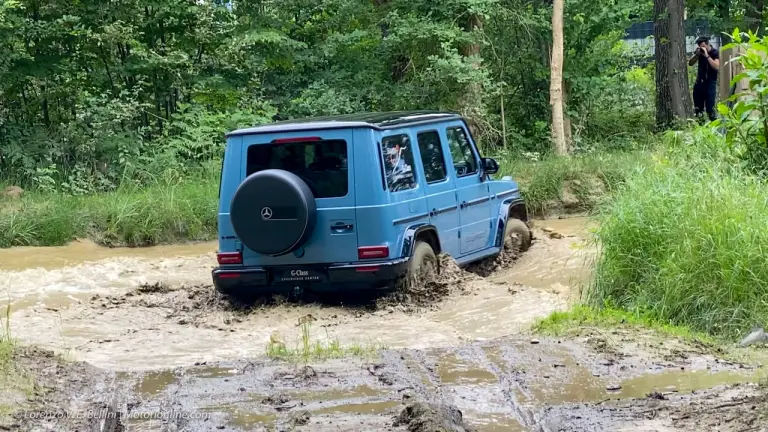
(95, 96)
(682, 243)
(566, 323)
(746, 121)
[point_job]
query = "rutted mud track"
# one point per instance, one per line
(463, 362)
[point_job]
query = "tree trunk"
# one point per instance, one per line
(673, 98)
(472, 104)
(567, 124)
(556, 80)
(753, 15)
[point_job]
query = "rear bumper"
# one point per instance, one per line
(334, 277)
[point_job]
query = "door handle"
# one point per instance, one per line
(463, 205)
(433, 213)
(342, 228)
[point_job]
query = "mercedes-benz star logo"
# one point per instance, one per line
(266, 213)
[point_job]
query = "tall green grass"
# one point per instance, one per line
(176, 210)
(165, 212)
(590, 178)
(685, 241)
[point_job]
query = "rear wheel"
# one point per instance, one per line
(423, 264)
(518, 227)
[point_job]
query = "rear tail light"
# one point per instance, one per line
(229, 257)
(372, 252)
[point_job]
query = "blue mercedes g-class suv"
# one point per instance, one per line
(358, 201)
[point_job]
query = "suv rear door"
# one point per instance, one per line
(321, 158)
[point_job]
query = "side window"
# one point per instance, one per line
(461, 151)
(398, 162)
(432, 156)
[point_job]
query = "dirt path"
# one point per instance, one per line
(143, 319)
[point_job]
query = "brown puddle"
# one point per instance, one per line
(166, 333)
(578, 226)
(154, 383)
(680, 381)
(453, 370)
(241, 418)
(53, 302)
(211, 372)
(484, 422)
(580, 386)
(246, 419)
(371, 408)
(80, 251)
(359, 392)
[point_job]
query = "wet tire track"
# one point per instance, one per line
(508, 386)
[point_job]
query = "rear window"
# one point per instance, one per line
(321, 164)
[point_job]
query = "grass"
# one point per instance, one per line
(684, 242)
(179, 211)
(306, 349)
(162, 213)
(549, 184)
(564, 323)
(15, 383)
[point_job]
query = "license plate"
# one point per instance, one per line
(300, 275)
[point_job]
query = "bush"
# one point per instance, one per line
(683, 240)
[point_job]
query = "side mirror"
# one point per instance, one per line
(490, 166)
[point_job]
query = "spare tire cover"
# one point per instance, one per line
(273, 212)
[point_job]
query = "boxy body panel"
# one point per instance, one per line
(402, 179)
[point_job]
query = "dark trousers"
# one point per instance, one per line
(704, 96)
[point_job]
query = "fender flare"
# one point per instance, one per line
(504, 210)
(409, 237)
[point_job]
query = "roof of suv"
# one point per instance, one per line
(378, 121)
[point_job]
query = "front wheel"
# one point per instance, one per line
(516, 226)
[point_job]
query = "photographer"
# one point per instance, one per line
(705, 88)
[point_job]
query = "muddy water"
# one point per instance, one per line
(52, 300)
(465, 352)
(86, 251)
(59, 276)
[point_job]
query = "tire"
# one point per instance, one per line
(273, 212)
(423, 261)
(516, 226)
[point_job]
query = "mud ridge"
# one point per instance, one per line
(187, 303)
(425, 417)
(62, 388)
